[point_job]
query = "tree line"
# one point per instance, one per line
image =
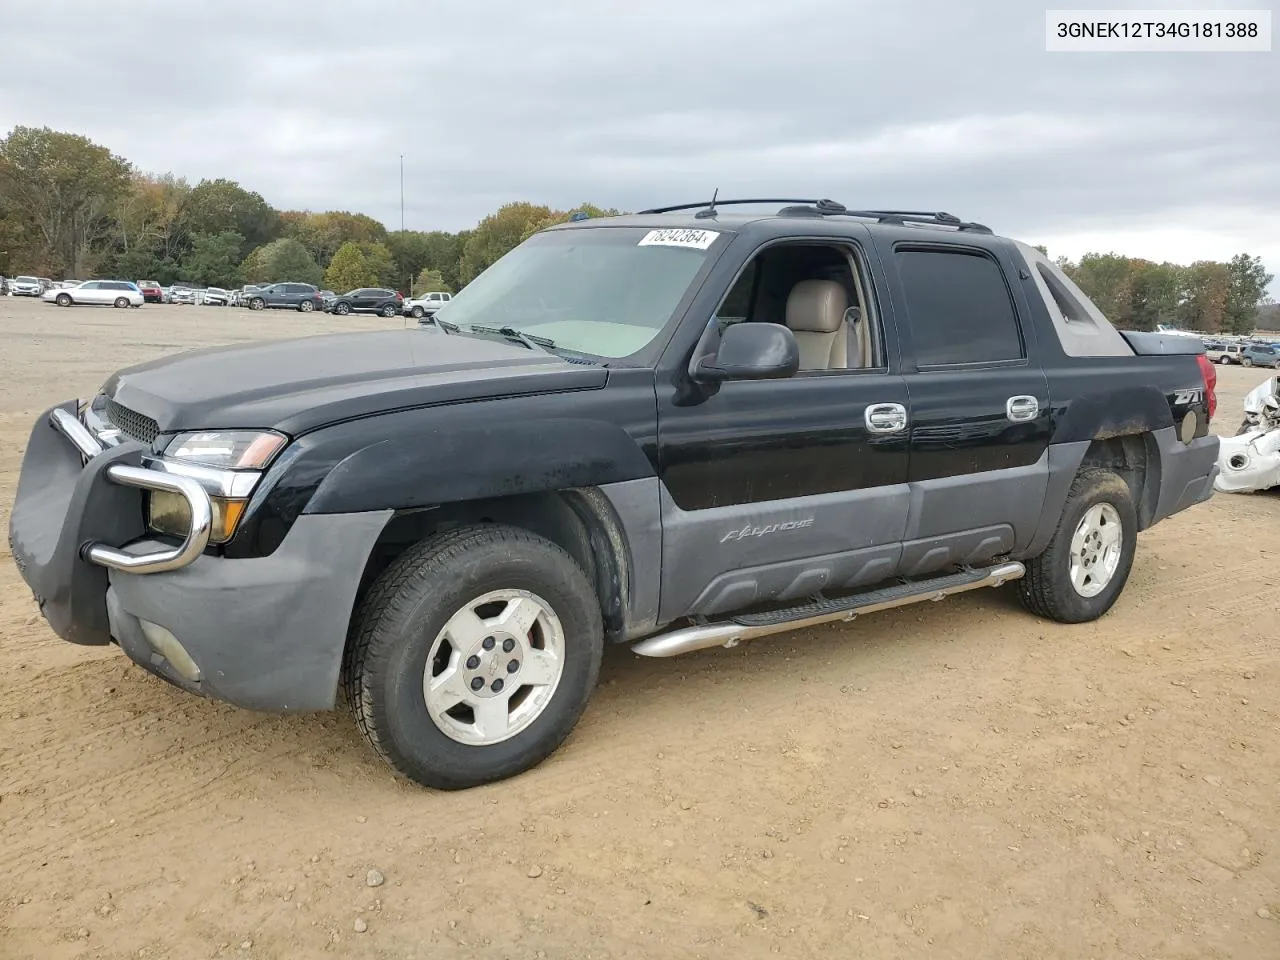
(72, 209)
(1206, 295)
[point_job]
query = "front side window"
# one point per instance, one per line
(959, 307)
(604, 291)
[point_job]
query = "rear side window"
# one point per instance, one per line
(959, 307)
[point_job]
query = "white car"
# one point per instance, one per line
(182, 295)
(24, 287)
(426, 305)
(117, 293)
(215, 297)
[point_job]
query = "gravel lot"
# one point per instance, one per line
(948, 780)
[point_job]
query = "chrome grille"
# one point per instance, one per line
(132, 424)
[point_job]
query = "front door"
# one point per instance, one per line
(979, 405)
(778, 490)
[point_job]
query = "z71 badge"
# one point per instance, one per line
(1188, 396)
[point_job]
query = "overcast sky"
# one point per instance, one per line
(929, 104)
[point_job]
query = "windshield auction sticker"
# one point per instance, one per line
(695, 239)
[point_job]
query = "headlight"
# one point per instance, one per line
(227, 463)
(230, 449)
(169, 513)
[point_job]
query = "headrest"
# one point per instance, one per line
(816, 306)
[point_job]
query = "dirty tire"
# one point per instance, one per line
(1046, 590)
(407, 607)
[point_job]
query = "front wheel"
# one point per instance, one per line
(1086, 564)
(342, 309)
(257, 303)
(417, 313)
(1246, 362)
(63, 300)
(473, 656)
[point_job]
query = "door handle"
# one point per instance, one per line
(885, 417)
(1022, 409)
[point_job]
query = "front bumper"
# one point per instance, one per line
(264, 633)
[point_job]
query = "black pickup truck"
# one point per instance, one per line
(677, 429)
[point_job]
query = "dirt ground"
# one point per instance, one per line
(950, 780)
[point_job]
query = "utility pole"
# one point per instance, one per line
(402, 193)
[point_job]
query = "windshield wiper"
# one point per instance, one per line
(511, 333)
(445, 325)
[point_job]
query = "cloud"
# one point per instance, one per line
(918, 103)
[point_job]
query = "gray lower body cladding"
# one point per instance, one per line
(266, 633)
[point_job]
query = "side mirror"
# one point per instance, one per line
(751, 351)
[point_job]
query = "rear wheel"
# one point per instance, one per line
(1224, 360)
(121, 302)
(1086, 564)
(389, 310)
(306, 306)
(473, 656)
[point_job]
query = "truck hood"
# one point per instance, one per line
(300, 384)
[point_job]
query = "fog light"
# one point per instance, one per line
(166, 644)
(169, 513)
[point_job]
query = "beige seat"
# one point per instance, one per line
(816, 314)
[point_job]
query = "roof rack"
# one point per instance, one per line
(717, 203)
(830, 208)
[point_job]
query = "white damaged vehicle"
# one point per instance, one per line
(1250, 460)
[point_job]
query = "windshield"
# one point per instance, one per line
(605, 291)
(25, 280)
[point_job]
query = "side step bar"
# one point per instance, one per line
(750, 626)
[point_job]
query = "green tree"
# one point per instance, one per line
(214, 259)
(498, 233)
(323, 233)
(283, 260)
(430, 281)
(67, 187)
(381, 264)
(1247, 282)
(217, 206)
(563, 216)
(349, 269)
(1204, 291)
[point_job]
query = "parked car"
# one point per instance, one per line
(379, 300)
(287, 296)
(426, 305)
(151, 292)
(179, 294)
(215, 297)
(698, 429)
(25, 287)
(1260, 355)
(1224, 353)
(118, 293)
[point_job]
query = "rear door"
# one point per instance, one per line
(979, 405)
